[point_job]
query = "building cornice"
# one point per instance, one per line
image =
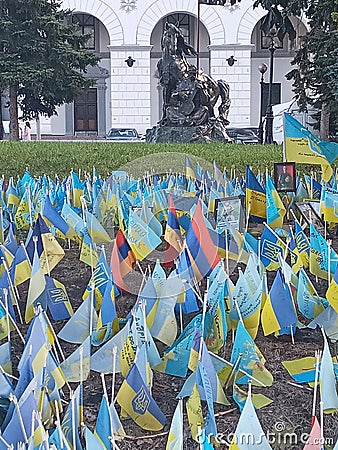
(236, 46)
(130, 48)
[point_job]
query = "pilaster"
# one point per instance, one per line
(130, 87)
(238, 76)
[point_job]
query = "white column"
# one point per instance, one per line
(130, 87)
(238, 76)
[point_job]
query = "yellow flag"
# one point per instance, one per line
(194, 411)
(127, 356)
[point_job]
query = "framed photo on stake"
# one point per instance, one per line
(309, 215)
(285, 176)
(229, 213)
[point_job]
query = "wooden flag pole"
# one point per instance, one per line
(13, 322)
(238, 311)
(74, 430)
(247, 217)
(91, 307)
(7, 316)
(203, 319)
(54, 335)
(322, 424)
(233, 370)
(1, 226)
(9, 446)
(13, 289)
(317, 355)
(58, 423)
(226, 252)
(111, 436)
(114, 374)
(13, 399)
(29, 206)
(256, 380)
(329, 243)
(135, 333)
(181, 317)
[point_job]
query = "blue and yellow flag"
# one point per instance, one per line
(327, 382)
(12, 196)
(189, 170)
(77, 189)
(135, 399)
(107, 314)
(73, 418)
(330, 206)
(172, 232)
(77, 366)
(248, 358)
(278, 311)
(313, 186)
(248, 425)
(175, 438)
(37, 289)
(255, 198)
(103, 427)
(323, 259)
(275, 209)
(332, 292)
(271, 249)
(76, 330)
(20, 425)
(141, 237)
(206, 390)
(95, 229)
(248, 303)
(308, 301)
(88, 253)
(176, 358)
(301, 146)
(302, 243)
(92, 441)
(102, 360)
(24, 214)
(52, 217)
(58, 301)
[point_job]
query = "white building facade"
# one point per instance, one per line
(130, 96)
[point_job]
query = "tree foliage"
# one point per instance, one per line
(42, 55)
(315, 76)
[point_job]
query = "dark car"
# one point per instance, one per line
(123, 134)
(246, 135)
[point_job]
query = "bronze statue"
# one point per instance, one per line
(189, 94)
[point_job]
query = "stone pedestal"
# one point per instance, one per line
(183, 135)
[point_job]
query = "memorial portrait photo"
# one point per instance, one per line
(229, 213)
(285, 176)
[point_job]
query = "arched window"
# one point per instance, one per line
(87, 25)
(184, 24)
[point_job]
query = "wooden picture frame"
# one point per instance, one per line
(229, 213)
(284, 175)
(310, 215)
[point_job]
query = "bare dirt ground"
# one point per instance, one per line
(289, 413)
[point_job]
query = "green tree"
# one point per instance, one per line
(42, 58)
(315, 77)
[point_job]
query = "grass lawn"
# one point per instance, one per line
(53, 158)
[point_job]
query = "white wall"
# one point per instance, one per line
(133, 96)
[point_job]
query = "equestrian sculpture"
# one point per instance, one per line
(189, 95)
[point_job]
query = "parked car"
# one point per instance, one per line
(246, 135)
(123, 134)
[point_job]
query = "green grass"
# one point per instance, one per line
(59, 158)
